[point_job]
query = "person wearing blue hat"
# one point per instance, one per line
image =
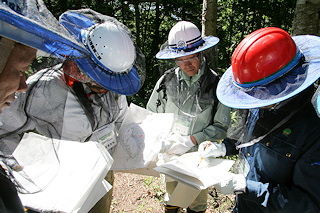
(15, 59)
(270, 84)
(23, 33)
(188, 91)
(84, 97)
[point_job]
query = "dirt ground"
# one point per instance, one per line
(144, 194)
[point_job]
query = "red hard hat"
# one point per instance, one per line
(260, 57)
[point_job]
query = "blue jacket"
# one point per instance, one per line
(9, 200)
(284, 169)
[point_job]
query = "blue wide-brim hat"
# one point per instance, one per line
(31, 23)
(286, 86)
(125, 83)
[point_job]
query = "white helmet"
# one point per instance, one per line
(184, 35)
(185, 39)
(114, 62)
(111, 46)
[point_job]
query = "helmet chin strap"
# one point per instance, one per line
(96, 88)
(6, 46)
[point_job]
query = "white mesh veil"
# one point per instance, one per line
(30, 23)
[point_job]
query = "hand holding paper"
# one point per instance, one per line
(184, 168)
(236, 184)
(211, 149)
(180, 144)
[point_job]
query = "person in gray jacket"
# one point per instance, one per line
(189, 91)
(24, 32)
(82, 98)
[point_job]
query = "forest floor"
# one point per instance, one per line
(144, 194)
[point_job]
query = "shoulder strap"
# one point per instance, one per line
(84, 102)
(162, 87)
(210, 82)
(293, 116)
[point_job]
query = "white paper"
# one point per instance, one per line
(185, 169)
(67, 173)
(139, 139)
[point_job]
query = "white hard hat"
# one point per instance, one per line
(111, 46)
(185, 39)
(183, 35)
(114, 62)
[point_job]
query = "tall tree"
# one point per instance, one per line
(306, 19)
(151, 20)
(209, 27)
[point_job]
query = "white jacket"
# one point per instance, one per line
(51, 108)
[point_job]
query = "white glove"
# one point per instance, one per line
(165, 145)
(180, 144)
(235, 185)
(212, 149)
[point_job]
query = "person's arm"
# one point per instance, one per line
(123, 105)
(14, 120)
(217, 130)
(40, 108)
(230, 145)
(302, 195)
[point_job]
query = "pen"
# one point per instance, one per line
(201, 159)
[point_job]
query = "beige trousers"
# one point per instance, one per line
(103, 205)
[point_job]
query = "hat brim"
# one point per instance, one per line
(124, 84)
(127, 83)
(52, 39)
(301, 77)
(316, 101)
(167, 53)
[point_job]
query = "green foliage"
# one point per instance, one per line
(238, 18)
(151, 21)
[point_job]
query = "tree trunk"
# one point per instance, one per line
(306, 18)
(137, 22)
(209, 27)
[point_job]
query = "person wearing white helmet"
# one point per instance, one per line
(24, 30)
(271, 83)
(188, 91)
(83, 98)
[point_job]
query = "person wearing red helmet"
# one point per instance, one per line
(270, 84)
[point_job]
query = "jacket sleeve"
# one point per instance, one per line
(300, 196)
(123, 104)
(218, 130)
(14, 121)
(40, 109)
